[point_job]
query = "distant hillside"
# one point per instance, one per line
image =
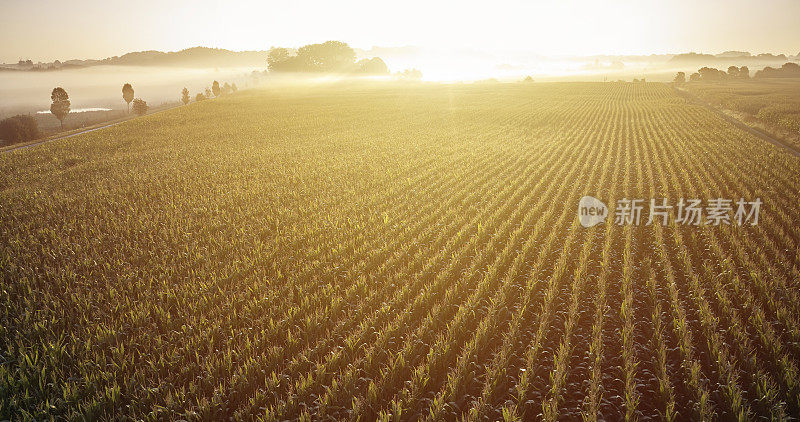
(190, 57)
(734, 54)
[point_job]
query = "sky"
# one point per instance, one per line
(46, 30)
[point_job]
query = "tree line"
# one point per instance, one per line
(22, 128)
(330, 56)
(711, 74)
(705, 74)
(214, 91)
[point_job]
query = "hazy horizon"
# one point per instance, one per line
(378, 50)
(36, 31)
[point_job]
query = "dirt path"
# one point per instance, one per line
(92, 129)
(738, 123)
(61, 137)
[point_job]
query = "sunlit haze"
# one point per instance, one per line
(48, 30)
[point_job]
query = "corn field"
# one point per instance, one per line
(399, 252)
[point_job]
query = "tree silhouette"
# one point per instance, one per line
(373, 66)
(208, 92)
(330, 56)
(276, 57)
(226, 89)
(60, 105)
(140, 106)
(744, 72)
(215, 88)
(185, 96)
(199, 97)
(127, 95)
(788, 70)
(680, 78)
(711, 74)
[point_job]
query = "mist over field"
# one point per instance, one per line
(100, 86)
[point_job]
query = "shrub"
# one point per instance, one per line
(19, 129)
(140, 106)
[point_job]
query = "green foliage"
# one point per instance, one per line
(140, 107)
(787, 70)
(60, 105)
(127, 94)
(330, 56)
(397, 252)
(185, 96)
(18, 128)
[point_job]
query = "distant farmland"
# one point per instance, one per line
(400, 252)
(770, 103)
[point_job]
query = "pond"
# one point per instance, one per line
(78, 110)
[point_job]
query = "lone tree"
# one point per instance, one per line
(127, 95)
(185, 96)
(215, 88)
(60, 105)
(680, 78)
(140, 106)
